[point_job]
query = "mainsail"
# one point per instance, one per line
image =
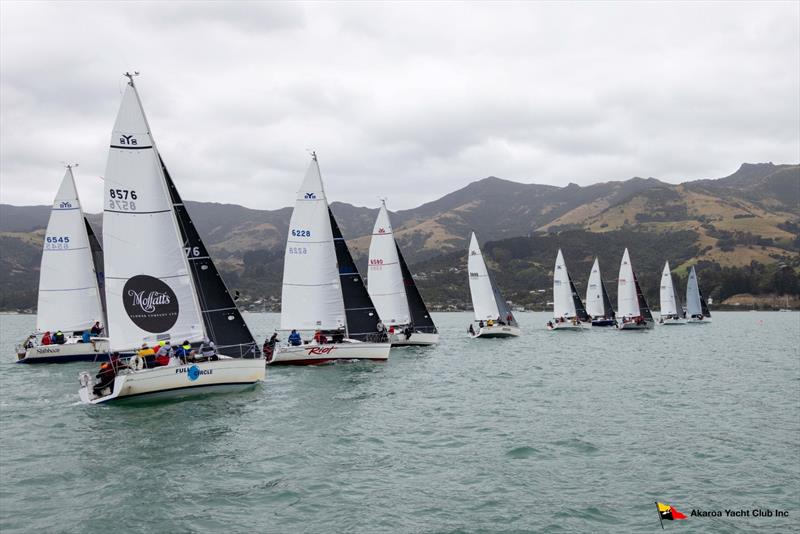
(563, 304)
(222, 319)
(669, 305)
(594, 292)
(695, 303)
(69, 297)
(627, 287)
(312, 293)
(385, 285)
(149, 289)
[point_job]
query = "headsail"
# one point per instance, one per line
(69, 297)
(385, 281)
(644, 309)
(312, 293)
(149, 290)
(98, 262)
(480, 285)
(627, 301)
(222, 319)
(420, 318)
(362, 317)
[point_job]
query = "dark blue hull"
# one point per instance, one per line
(604, 322)
(93, 357)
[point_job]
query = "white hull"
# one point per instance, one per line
(568, 326)
(71, 351)
(313, 354)
(497, 331)
(416, 339)
(225, 374)
(633, 326)
(671, 322)
(705, 320)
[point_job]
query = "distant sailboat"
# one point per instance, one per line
(69, 285)
(568, 310)
(598, 303)
(323, 292)
(696, 307)
(151, 291)
(493, 317)
(393, 290)
(632, 307)
(671, 310)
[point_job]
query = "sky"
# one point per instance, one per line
(407, 101)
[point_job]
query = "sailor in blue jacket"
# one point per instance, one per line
(294, 338)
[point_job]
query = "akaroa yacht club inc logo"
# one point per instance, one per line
(150, 303)
(670, 513)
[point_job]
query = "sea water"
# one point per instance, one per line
(549, 432)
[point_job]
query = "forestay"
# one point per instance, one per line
(385, 282)
(627, 301)
(69, 297)
(149, 290)
(312, 295)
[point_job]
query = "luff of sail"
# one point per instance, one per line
(385, 277)
(222, 319)
(69, 297)
(149, 290)
(311, 296)
(627, 301)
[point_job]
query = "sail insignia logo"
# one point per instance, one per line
(473, 252)
(127, 140)
(150, 303)
(310, 196)
(65, 204)
(381, 231)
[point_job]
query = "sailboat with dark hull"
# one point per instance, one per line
(631, 305)
(598, 303)
(394, 291)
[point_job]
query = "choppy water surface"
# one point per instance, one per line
(551, 432)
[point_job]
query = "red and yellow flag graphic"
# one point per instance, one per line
(668, 512)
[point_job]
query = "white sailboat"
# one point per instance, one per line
(69, 292)
(393, 290)
(632, 307)
(151, 294)
(598, 304)
(322, 290)
(671, 310)
(492, 314)
(696, 307)
(568, 311)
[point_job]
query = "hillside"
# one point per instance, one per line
(750, 216)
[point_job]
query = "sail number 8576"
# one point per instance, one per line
(122, 199)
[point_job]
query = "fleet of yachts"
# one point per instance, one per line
(171, 327)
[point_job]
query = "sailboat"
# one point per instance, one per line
(568, 310)
(393, 290)
(69, 285)
(631, 304)
(492, 314)
(323, 291)
(598, 303)
(671, 310)
(151, 288)
(696, 307)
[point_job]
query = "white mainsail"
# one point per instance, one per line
(563, 304)
(69, 298)
(149, 291)
(480, 284)
(311, 297)
(693, 306)
(667, 294)
(594, 293)
(627, 302)
(385, 282)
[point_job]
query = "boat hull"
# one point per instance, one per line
(566, 327)
(97, 350)
(604, 322)
(698, 321)
(497, 331)
(225, 374)
(419, 339)
(313, 354)
(635, 327)
(672, 322)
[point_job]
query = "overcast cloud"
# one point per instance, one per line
(409, 101)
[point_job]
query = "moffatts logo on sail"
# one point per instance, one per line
(148, 302)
